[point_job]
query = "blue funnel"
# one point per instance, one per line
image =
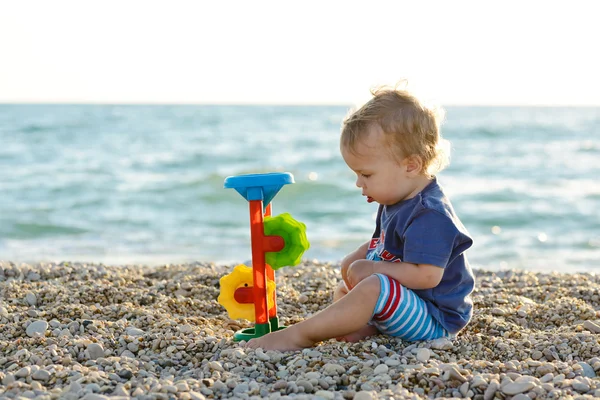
(259, 186)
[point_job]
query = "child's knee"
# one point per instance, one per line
(370, 286)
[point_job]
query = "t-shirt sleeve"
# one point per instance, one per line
(430, 239)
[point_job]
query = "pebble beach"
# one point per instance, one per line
(92, 331)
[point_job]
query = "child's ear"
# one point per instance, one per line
(414, 164)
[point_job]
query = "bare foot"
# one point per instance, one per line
(365, 331)
(286, 339)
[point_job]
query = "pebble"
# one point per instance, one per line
(423, 355)
(308, 387)
(365, 395)
(517, 387)
(381, 369)
(280, 384)
(95, 351)
(581, 387)
(303, 299)
(23, 372)
(442, 344)
(592, 326)
(158, 333)
(37, 328)
(133, 331)
(127, 354)
(333, 369)
(588, 371)
(325, 394)
(491, 390)
(41, 375)
(31, 299)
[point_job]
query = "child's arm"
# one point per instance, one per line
(412, 276)
(359, 254)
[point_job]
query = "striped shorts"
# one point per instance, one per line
(401, 313)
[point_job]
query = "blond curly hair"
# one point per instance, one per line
(410, 127)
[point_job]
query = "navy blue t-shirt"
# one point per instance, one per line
(425, 230)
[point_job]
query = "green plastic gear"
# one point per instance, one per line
(294, 235)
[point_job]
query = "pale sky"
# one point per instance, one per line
(452, 52)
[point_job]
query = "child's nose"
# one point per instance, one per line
(358, 182)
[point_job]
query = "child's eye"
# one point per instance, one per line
(365, 176)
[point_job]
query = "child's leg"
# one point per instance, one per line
(365, 331)
(347, 315)
(340, 291)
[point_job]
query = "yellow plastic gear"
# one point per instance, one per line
(240, 277)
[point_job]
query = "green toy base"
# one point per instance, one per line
(258, 330)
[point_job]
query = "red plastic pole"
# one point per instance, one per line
(271, 273)
(257, 234)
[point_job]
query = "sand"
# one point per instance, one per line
(74, 330)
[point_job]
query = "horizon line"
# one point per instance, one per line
(282, 104)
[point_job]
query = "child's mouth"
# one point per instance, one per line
(369, 199)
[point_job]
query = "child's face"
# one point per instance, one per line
(381, 177)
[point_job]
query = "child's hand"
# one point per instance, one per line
(358, 271)
(358, 254)
(345, 268)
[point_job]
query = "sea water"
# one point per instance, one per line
(144, 184)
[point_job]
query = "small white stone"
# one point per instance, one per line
(517, 387)
(302, 299)
(23, 372)
(94, 396)
(392, 362)
(491, 390)
(261, 355)
(127, 354)
(215, 366)
(313, 375)
(333, 369)
(441, 344)
(133, 331)
(423, 355)
(120, 391)
(197, 396)
(95, 350)
(170, 388)
(41, 375)
(365, 395)
(478, 381)
(37, 328)
(75, 387)
(314, 354)
(464, 389)
(591, 326)
(133, 347)
(241, 388)
(580, 386)
(326, 394)
(381, 369)
(31, 299)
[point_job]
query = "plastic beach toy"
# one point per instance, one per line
(294, 237)
(276, 242)
(236, 293)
